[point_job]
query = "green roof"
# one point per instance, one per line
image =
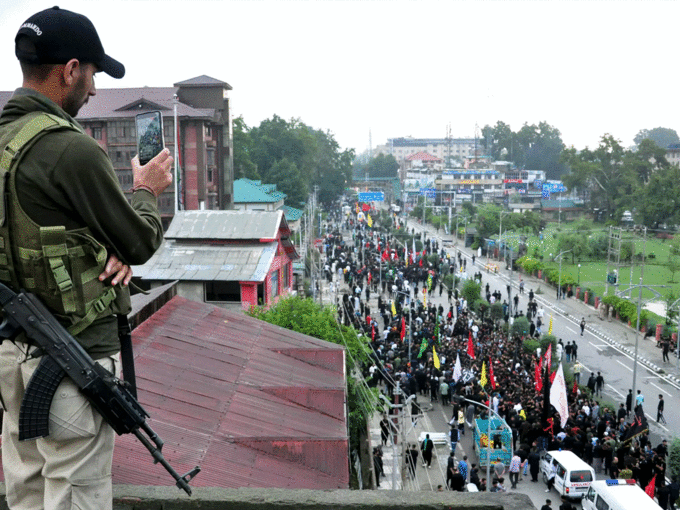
(249, 191)
(557, 204)
(291, 213)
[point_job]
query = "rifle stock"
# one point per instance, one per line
(63, 355)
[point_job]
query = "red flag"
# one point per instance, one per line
(369, 277)
(537, 376)
(649, 490)
(373, 333)
(470, 347)
(403, 328)
(385, 255)
(421, 262)
(575, 389)
(492, 379)
(365, 207)
(552, 376)
(548, 357)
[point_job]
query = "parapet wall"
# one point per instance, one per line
(129, 497)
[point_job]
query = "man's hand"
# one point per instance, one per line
(155, 176)
(113, 266)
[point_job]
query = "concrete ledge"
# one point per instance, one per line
(134, 497)
(170, 498)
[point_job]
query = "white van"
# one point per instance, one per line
(572, 477)
(617, 495)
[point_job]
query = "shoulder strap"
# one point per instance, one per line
(38, 125)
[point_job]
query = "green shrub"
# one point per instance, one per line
(520, 327)
(674, 458)
(530, 344)
(496, 311)
(471, 291)
(546, 340)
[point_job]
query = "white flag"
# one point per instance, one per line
(558, 396)
(457, 369)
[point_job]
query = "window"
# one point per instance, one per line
(581, 476)
(601, 504)
(275, 284)
(222, 291)
(97, 133)
(286, 277)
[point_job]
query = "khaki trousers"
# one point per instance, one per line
(71, 468)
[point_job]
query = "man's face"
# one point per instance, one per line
(80, 91)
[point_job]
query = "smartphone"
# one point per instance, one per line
(150, 142)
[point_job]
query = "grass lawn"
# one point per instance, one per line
(592, 273)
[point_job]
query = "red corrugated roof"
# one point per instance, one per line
(253, 404)
(422, 156)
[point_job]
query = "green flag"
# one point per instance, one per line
(423, 347)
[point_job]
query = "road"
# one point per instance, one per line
(596, 351)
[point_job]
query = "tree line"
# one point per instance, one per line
(294, 156)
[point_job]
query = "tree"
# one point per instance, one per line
(498, 141)
(540, 147)
(658, 201)
(243, 148)
(663, 137)
(646, 160)
(602, 177)
(313, 157)
(384, 166)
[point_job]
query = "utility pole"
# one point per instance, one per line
(639, 306)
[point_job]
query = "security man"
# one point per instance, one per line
(67, 234)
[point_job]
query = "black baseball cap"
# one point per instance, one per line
(59, 36)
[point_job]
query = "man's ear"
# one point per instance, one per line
(71, 71)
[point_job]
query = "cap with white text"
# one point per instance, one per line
(59, 36)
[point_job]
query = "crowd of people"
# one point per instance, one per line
(416, 344)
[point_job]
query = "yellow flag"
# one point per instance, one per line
(369, 220)
(394, 309)
(435, 358)
(424, 297)
(550, 326)
(483, 380)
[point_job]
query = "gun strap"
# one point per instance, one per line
(126, 354)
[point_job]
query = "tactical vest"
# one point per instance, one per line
(60, 266)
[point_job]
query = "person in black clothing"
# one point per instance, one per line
(427, 448)
(659, 411)
(411, 460)
(621, 413)
(599, 384)
(547, 505)
(457, 481)
(674, 494)
(566, 505)
(450, 470)
(378, 465)
(629, 402)
(591, 382)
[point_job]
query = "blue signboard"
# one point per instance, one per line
(374, 196)
(554, 187)
(429, 192)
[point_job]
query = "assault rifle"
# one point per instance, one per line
(62, 355)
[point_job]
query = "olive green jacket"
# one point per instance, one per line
(66, 179)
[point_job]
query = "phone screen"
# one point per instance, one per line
(149, 135)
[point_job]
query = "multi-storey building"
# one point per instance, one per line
(205, 137)
(444, 148)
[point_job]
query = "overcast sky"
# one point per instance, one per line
(400, 68)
